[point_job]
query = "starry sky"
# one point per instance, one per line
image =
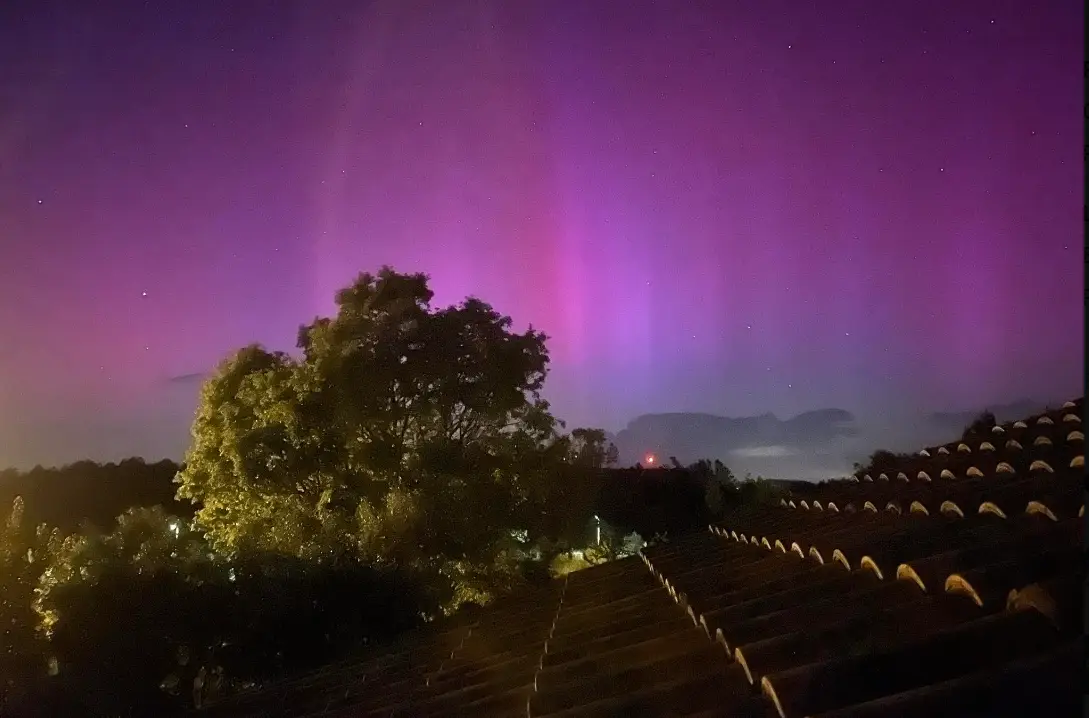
(711, 205)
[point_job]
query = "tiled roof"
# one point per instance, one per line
(951, 587)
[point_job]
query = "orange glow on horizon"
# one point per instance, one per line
(651, 459)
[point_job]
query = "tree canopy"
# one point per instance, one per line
(403, 435)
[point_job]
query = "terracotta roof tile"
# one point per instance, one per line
(961, 595)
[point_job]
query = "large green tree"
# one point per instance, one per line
(404, 434)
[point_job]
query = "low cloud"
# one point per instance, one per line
(188, 379)
(755, 452)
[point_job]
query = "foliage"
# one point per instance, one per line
(87, 492)
(649, 501)
(404, 436)
(566, 563)
(135, 616)
(981, 425)
(718, 482)
(756, 491)
(880, 461)
(22, 652)
(591, 448)
(404, 465)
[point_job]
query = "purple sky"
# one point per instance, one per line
(730, 207)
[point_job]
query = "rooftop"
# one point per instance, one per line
(950, 585)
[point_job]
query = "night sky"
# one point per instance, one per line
(718, 206)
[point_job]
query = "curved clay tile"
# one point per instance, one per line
(1075, 436)
(949, 508)
(1004, 468)
(997, 430)
(779, 545)
(768, 691)
(901, 476)
(1041, 441)
(867, 562)
(959, 586)
(1036, 508)
(947, 474)
(853, 479)
(1020, 425)
(986, 446)
(815, 554)
(765, 543)
(1068, 405)
(739, 657)
(817, 505)
(706, 629)
(721, 640)
(1081, 511)
(692, 614)
(883, 477)
(963, 449)
(1045, 421)
(832, 507)
(733, 535)
(904, 572)
(974, 472)
(783, 502)
(1078, 462)
(1013, 445)
(868, 506)
(867, 477)
(804, 504)
(1033, 596)
(923, 476)
(924, 453)
(988, 507)
(1071, 418)
(797, 549)
(1040, 465)
(918, 508)
(838, 557)
(893, 507)
(791, 504)
(943, 451)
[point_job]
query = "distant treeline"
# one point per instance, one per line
(87, 494)
(92, 493)
(652, 501)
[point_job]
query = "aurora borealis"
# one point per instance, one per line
(726, 207)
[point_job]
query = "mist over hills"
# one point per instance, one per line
(812, 445)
